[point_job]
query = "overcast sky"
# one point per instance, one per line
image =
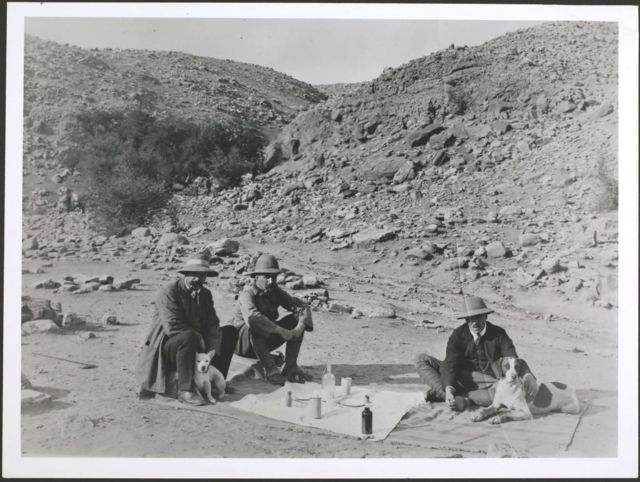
(315, 51)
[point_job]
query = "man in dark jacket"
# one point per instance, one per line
(184, 323)
(466, 373)
(260, 330)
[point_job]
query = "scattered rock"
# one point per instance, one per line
(40, 326)
(497, 250)
(528, 240)
(70, 320)
(33, 399)
(373, 235)
(110, 319)
(224, 247)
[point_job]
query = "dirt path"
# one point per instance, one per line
(95, 412)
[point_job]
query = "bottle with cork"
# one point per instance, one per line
(367, 417)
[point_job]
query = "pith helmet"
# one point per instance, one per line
(198, 264)
(266, 264)
(472, 306)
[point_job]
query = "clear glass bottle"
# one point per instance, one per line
(328, 383)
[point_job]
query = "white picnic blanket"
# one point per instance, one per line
(342, 414)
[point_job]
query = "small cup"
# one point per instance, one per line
(315, 407)
(345, 383)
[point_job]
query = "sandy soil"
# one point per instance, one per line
(95, 412)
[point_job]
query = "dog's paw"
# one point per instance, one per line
(476, 417)
(496, 420)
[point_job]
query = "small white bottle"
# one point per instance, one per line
(328, 383)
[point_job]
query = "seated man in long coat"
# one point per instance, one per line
(468, 371)
(184, 323)
(260, 331)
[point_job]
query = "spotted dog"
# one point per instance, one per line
(523, 396)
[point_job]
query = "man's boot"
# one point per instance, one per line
(291, 371)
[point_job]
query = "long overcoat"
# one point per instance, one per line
(176, 310)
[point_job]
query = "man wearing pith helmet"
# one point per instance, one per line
(260, 330)
(468, 372)
(184, 323)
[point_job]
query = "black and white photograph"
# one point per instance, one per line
(320, 240)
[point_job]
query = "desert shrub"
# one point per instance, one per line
(130, 159)
(608, 196)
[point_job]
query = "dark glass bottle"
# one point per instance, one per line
(367, 417)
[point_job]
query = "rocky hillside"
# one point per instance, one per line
(512, 100)
(473, 168)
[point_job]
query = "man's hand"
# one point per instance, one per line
(298, 331)
(450, 397)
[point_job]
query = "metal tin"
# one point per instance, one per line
(345, 383)
(315, 407)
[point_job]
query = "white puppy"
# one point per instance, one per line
(512, 390)
(206, 377)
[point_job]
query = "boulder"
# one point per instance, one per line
(70, 320)
(528, 239)
(501, 126)
(110, 319)
(141, 232)
(125, 284)
(382, 168)
(24, 381)
(510, 211)
(373, 235)
(309, 182)
(522, 278)
(197, 230)
(168, 240)
(496, 250)
(418, 253)
(440, 141)
(40, 326)
(379, 311)
(339, 308)
(310, 281)
(46, 284)
(440, 158)
(224, 247)
(289, 188)
(405, 173)
(38, 309)
(419, 137)
(33, 399)
(551, 265)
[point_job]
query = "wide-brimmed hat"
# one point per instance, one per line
(266, 264)
(472, 306)
(198, 264)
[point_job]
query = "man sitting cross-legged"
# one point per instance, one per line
(466, 374)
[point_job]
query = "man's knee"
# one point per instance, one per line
(288, 322)
(191, 339)
(229, 334)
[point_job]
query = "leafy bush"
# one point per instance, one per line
(130, 160)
